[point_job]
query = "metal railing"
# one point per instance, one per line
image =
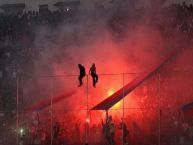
(152, 107)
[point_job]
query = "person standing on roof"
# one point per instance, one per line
(92, 72)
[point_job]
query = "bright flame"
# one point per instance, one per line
(21, 130)
(117, 105)
(110, 92)
(87, 120)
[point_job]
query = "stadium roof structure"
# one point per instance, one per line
(17, 5)
(67, 3)
(124, 91)
(114, 98)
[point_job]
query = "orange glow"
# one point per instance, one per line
(110, 92)
(117, 105)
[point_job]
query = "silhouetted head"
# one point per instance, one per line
(79, 65)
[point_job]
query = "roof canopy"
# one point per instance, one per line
(18, 5)
(67, 3)
(123, 92)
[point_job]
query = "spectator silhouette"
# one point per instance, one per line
(92, 72)
(82, 74)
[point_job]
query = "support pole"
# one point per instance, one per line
(51, 110)
(17, 115)
(159, 109)
(123, 117)
(107, 115)
(87, 113)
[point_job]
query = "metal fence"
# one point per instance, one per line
(54, 111)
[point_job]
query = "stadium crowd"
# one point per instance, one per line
(17, 31)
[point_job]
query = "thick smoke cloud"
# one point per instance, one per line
(125, 40)
(129, 39)
(91, 41)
